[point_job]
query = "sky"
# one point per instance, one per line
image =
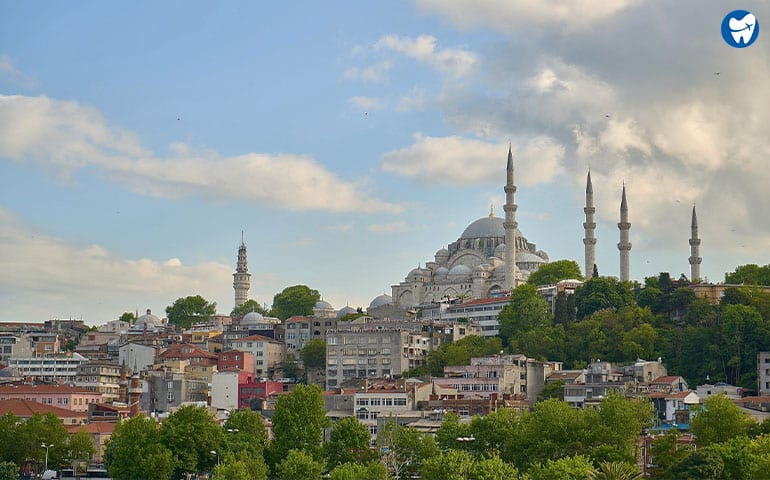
(349, 141)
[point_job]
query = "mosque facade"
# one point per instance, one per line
(476, 264)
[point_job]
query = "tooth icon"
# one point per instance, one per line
(742, 30)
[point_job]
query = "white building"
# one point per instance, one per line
(54, 369)
(136, 357)
(224, 389)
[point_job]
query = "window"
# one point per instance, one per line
(399, 402)
(363, 402)
(331, 340)
(386, 351)
(372, 361)
(386, 361)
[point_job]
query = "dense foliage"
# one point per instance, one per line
(188, 310)
(295, 300)
(553, 272)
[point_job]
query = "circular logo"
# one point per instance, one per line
(740, 28)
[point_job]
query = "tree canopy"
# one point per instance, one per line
(751, 274)
(247, 307)
(186, 311)
(135, 451)
(295, 300)
(299, 421)
(314, 353)
(191, 433)
(553, 272)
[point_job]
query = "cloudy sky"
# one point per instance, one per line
(351, 140)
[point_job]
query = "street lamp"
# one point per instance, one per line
(46, 446)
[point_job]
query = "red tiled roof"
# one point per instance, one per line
(102, 428)
(175, 351)
(667, 379)
(27, 408)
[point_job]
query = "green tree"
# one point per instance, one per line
(461, 352)
(618, 471)
(666, 452)
(299, 465)
(751, 274)
(448, 465)
(186, 311)
(247, 307)
(135, 451)
(698, 465)
(527, 311)
(493, 468)
(9, 471)
(299, 421)
(296, 300)
(191, 433)
(245, 432)
(565, 468)
(80, 446)
(554, 272)
(129, 317)
(348, 443)
(314, 354)
(354, 471)
(599, 293)
(552, 390)
(450, 431)
(403, 449)
(718, 421)
(242, 466)
(35, 431)
(616, 431)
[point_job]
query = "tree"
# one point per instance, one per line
(135, 451)
(449, 465)
(493, 468)
(698, 465)
(129, 317)
(602, 292)
(31, 434)
(299, 465)
(552, 390)
(191, 434)
(299, 421)
(9, 471)
(618, 471)
(296, 300)
(353, 471)
(553, 272)
(243, 466)
(247, 307)
(566, 468)
(718, 421)
(348, 443)
(450, 431)
(186, 311)
(80, 446)
(403, 449)
(461, 352)
(314, 354)
(751, 274)
(246, 432)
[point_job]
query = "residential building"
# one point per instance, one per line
(137, 357)
(267, 353)
(254, 395)
(708, 390)
(379, 401)
(54, 369)
(24, 409)
(224, 388)
(235, 359)
(763, 373)
(62, 396)
(100, 377)
(14, 345)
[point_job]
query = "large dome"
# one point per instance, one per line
(486, 227)
(381, 300)
(148, 322)
(252, 318)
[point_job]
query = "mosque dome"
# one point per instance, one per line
(460, 271)
(346, 310)
(441, 271)
(252, 318)
(147, 321)
(486, 227)
(323, 309)
(442, 255)
(500, 251)
(381, 300)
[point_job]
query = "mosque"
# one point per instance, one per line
(491, 257)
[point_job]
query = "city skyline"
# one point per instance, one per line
(350, 142)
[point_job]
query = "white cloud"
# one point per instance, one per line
(394, 227)
(456, 62)
(508, 15)
(366, 103)
(457, 160)
(45, 277)
(65, 136)
(376, 73)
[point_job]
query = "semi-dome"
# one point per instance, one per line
(441, 271)
(528, 257)
(346, 310)
(381, 300)
(252, 318)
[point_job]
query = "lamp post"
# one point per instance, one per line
(46, 446)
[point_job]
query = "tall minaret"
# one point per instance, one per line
(624, 246)
(589, 225)
(695, 259)
(510, 226)
(241, 277)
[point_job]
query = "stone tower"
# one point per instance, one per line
(241, 277)
(695, 259)
(510, 226)
(589, 226)
(624, 245)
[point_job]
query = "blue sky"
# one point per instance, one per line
(351, 140)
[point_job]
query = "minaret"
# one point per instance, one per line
(510, 226)
(590, 226)
(624, 246)
(241, 277)
(695, 259)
